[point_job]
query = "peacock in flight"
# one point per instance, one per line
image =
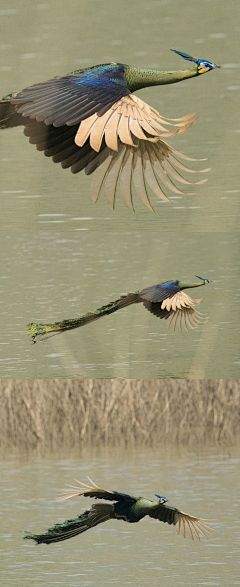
(127, 508)
(166, 300)
(91, 119)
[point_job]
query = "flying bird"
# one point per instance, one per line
(127, 508)
(91, 119)
(166, 300)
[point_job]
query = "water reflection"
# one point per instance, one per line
(116, 553)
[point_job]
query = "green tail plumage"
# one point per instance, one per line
(43, 331)
(99, 512)
(61, 532)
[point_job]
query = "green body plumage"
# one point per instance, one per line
(138, 78)
(134, 512)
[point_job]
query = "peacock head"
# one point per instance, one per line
(204, 280)
(202, 64)
(161, 498)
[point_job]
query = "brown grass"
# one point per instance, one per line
(68, 412)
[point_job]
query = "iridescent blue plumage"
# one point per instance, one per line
(108, 78)
(169, 285)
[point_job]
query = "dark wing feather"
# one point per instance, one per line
(156, 309)
(158, 293)
(168, 301)
(73, 98)
(59, 144)
(183, 522)
(95, 492)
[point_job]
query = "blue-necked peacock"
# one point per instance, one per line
(166, 300)
(127, 508)
(91, 119)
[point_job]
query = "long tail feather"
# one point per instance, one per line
(99, 513)
(61, 532)
(43, 331)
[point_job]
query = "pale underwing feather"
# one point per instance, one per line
(123, 127)
(171, 171)
(111, 132)
(138, 179)
(135, 128)
(124, 132)
(98, 129)
(151, 178)
(98, 179)
(84, 129)
(186, 117)
(163, 174)
(126, 178)
(148, 128)
(112, 178)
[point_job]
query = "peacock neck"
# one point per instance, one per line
(137, 78)
(188, 285)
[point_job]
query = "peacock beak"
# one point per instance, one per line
(214, 66)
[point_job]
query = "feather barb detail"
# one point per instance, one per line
(133, 115)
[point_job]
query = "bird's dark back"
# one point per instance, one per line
(157, 293)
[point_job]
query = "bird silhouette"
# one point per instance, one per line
(127, 508)
(165, 300)
(90, 119)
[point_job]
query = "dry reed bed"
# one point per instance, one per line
(66, 412)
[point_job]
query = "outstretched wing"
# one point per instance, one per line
(183, 523)
(90, 120)
(95, 492)
(168, 302)
(73, 98)
(132, 151)
(186, 318)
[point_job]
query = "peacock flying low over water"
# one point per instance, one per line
(91, 119)
(127, 508)
(166, 300)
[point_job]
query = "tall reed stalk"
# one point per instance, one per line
(68, 412)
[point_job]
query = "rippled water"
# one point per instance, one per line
(48, 277)
(116, 553)
(40, 41)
